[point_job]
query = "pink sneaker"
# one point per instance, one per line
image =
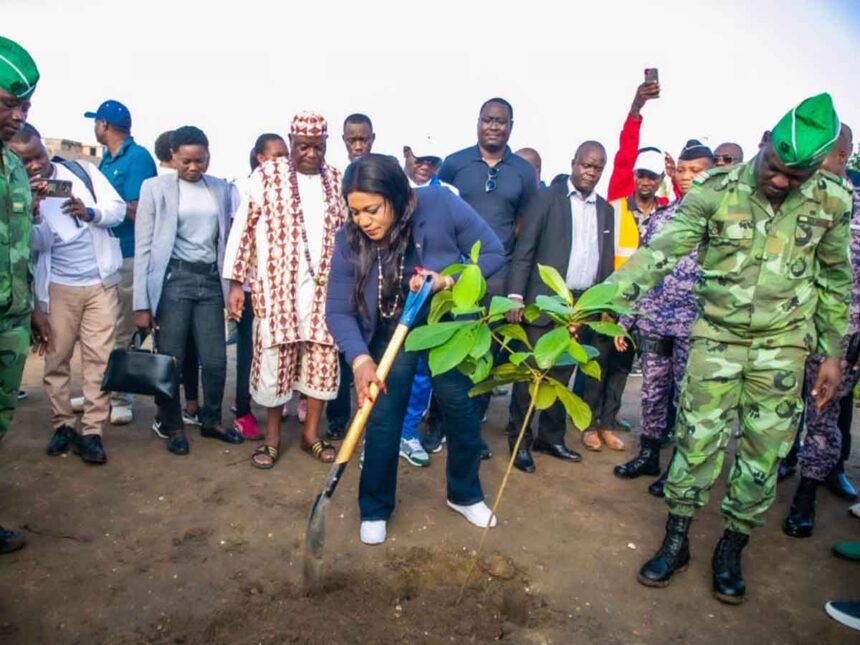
(247, 426)
(302, 410)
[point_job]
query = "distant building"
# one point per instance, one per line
(68, 149)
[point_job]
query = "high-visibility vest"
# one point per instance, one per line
(626, 232)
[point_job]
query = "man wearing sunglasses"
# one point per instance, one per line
(728, 154)
(496, 183)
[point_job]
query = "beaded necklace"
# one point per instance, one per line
(300, 217)
(392, 312)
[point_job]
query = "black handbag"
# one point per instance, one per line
(140, 371)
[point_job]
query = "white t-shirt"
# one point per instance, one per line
(73, 263)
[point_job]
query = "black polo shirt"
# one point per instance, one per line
(515, 184)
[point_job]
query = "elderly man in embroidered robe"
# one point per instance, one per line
(283, 239)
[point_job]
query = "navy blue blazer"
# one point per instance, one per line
(444, 228)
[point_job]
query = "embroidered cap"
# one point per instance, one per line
(309, 124)
(18, 72)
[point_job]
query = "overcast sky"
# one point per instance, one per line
(728, 69)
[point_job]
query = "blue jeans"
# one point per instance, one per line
(419, 400)
(378, 486)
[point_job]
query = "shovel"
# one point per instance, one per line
(315, 534)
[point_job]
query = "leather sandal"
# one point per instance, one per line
(321, 450)
(271, 452)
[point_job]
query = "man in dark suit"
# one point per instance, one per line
(571, 228)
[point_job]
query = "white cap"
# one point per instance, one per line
(426, 148)
(650, 159)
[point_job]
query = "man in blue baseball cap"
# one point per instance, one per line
(126, 165)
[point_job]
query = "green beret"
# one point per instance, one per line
(804, 136)
(18, 72)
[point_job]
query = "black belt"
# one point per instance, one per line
(201, 268)
(661, 346)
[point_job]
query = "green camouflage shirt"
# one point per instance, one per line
(782, 277)
(16, 206)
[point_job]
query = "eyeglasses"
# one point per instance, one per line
(492, 173)
(725, 159)
(495, 120)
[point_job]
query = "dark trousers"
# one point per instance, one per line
(552, 422)
(338, 411)
(846, 418)
(604, 396)
(192, 305)
(244, 355)
(378, 486)
(191, 371)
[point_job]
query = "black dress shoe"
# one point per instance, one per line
(557, 450)
(91, 450)
(801, 517)
(523, 461)
(11, 541)
(485, 451)
(335, 433)
(728, 580)
(177, 443)
(227, 435)
(838, 484)
(63, 440)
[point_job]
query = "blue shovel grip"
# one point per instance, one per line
(415, 300)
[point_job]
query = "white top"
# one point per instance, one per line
(584, 250)
(313, 208)
(197, 228)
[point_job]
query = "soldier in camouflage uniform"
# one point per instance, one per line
(775, 274)
(18, 77)
(661, 323)
(822, 446)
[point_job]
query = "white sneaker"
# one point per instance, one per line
(478, 514)
(77, 404)
(373, 532)
(413, 452)
(121, 415)
(855, 510)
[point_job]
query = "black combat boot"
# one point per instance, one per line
(656, 487)
(647, 462)
(673, 555)
(801, 518)
(729, 584)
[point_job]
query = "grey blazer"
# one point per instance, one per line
(155, 233)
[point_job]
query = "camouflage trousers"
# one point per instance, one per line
(14, 346)
(822, 445)
(661, 377)
(762, 383)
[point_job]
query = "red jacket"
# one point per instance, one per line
(621, 183)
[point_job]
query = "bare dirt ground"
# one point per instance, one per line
(153, 548)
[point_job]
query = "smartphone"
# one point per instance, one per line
(58, 188)
(651, 75)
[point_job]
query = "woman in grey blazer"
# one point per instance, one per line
(180, 233)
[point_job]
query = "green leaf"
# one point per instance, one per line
(500, 305)
(467, 367)
(453, 269)
(475, 252)
(482, 343)
(577, 352)
(482, 368)
(518, 357)
(552, 278)
(553, 304)
(486, 386)
(565, 361)
(597, 297)
(428, 336)
(592, 369)
(546, 395)
(470, 287)
(576, 408)
(454, 350)
(591, 351)
(441, 304)
(465, 311)
(607, 328)
(531, 313)
(550, 346)
(515, 332)
(508, 373)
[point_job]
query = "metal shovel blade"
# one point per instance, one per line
(315, 535)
